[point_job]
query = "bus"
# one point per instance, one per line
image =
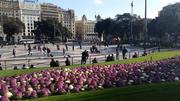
(27, 41)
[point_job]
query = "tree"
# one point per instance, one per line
(51, 29)
(167, 23)
(12, 26)
(120, 27)
(104, 27)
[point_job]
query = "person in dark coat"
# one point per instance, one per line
(108, 58)
(112, 57)
(14, 53)
(84, 57)
(58, 48)
(94, 61)
(64, 51)
(135, 55)
(124, 51)
(48, 52)
(29, 49)
(67, 62)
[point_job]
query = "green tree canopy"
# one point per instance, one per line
(167, 23)
(120, 26)
(51, 29)
(12, 26)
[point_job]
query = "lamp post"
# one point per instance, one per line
(145, 33)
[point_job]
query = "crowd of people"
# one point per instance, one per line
(94, 49)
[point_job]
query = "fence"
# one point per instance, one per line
(75, 59)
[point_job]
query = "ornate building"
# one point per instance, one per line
(86, 28)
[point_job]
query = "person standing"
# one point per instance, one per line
(39, 48)
(124, 51)
(29, 49)
(84, 57)
(64, 51)
(94, 61)
(14, 52)
(66, 45)
(44, 50)
(73, 46)
(58, 48)
(48, 52)
(67, 62)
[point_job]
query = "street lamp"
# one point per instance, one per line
(145, 33)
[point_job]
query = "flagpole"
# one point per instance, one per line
(132, 21)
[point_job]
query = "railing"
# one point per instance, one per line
(75, 59)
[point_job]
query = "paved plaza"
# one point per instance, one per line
(39, 58)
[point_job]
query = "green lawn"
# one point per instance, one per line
(153, 92)
(155, 56)
(17, 72)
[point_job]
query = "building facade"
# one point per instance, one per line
(1, 32)
(9, 8)
(49, 10)
(67, 18)
(61, 15)
(87, 29)
(30, 12)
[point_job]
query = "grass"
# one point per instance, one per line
(18, 72)
(154, 57)
(152, 92)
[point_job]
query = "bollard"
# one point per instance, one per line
(129, 55)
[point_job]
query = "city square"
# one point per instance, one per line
(95, 50)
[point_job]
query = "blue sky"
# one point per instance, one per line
(109, 8)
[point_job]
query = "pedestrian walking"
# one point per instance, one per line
(66, 45)
(48, 52)
(58, 48)
(29, 50)
(67, 62)
(14, 52)
(64, 51)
